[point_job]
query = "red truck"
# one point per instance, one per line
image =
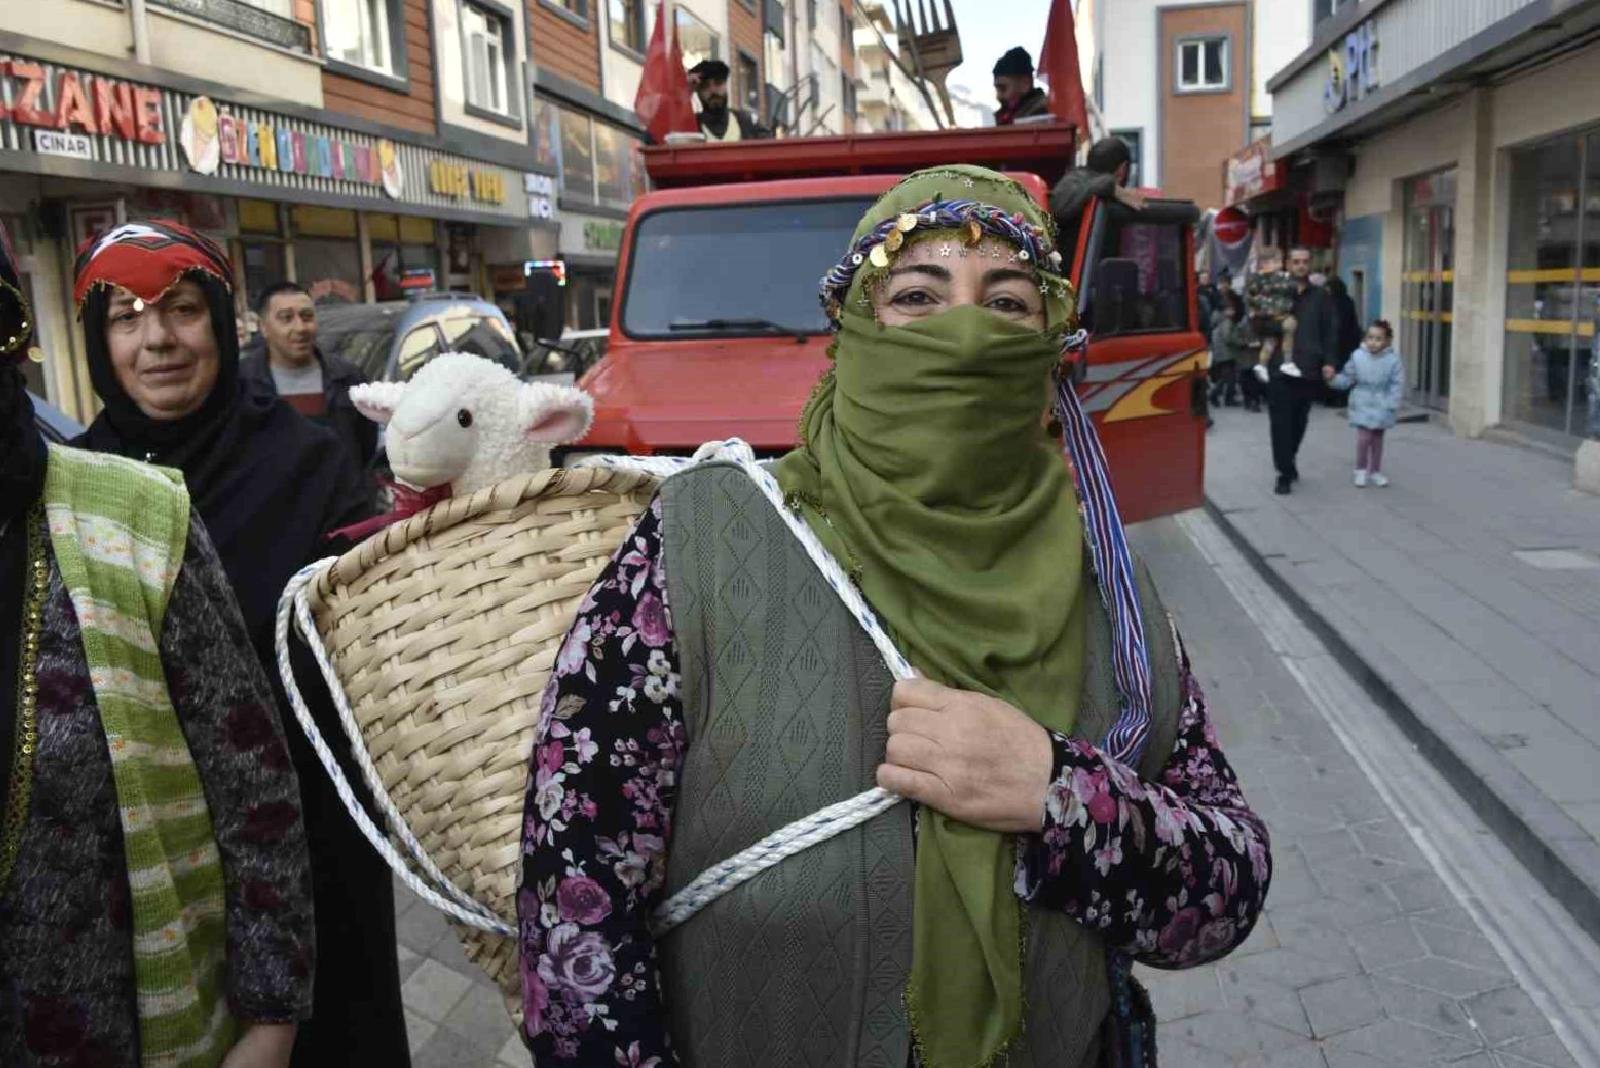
(716, 330)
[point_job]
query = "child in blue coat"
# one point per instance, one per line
(1376, 380)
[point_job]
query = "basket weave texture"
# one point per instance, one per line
(443, 630)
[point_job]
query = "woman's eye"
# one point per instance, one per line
(912, 298)
(1009, 306)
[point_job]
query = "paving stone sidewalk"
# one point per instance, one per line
(1363, 957)
(1470, 589)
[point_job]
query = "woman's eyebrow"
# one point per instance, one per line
(941, 273)
(1007, 274)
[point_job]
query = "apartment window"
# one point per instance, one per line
(696, 39)
(848, 95)
(1134, 139)
(1203, 65)
(749, 85)
(811, 14)
(847, 31)
(486, 37)
(364, 34)
(627, 24)
(578, 10)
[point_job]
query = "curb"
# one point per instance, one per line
(1522, 823)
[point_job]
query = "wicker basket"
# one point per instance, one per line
(442, 630)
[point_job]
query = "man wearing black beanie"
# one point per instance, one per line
(1013, 87)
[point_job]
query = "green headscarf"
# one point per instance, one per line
(925, 469)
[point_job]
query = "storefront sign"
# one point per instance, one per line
(1352, 67)
(541, 190)
(211, 137)
(126, 128)
(70, 100)
(602, 235)
(73, 146)
(1252, 172)
(459, 181)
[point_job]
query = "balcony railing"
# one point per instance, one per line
(246, 19)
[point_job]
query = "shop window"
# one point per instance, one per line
(264, 265)
(367, 35)
(405, 255)
(613, 161)
(627, 24)
(577, 154)
(1553, 285)
(748, 73)
(486, 44)
(1203, 65)
(696, 39)
(546, 134)
(327, 254)
(1138, 285)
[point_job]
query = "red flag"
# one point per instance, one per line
(663, 100)
(1058, 65)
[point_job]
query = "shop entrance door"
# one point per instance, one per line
(1428, 290)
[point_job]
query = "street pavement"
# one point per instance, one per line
(1373, 950)
(1470, 589)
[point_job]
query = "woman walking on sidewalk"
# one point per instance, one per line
(1376, 380)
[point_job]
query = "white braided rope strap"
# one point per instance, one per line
(825, 823)
(453, 901)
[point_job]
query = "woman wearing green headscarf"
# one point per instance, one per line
(1070, 807)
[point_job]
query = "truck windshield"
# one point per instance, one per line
(729, 270)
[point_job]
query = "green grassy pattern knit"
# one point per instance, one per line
(118, 530)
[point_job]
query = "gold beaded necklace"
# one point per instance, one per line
(37, 582)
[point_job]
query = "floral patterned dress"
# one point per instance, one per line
(1173, 872)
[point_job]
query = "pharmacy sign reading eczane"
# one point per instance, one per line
(1352, 67)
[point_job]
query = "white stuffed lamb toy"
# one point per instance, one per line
(466, 422)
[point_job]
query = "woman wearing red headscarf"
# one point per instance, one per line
(158, 317)
(155, 903)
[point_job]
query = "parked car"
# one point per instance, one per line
(391, 340)
(55, 424)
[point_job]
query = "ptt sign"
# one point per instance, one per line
(1352, 67)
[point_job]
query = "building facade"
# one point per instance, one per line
(348, 147)
(1183, 81)
(1457, 150)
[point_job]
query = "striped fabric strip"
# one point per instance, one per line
(118, 530)
(1113, 568)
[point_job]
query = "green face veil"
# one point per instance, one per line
(925, 468)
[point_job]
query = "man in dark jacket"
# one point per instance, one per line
(718, 121)
(287, 362)
(1297, 381)
(1013, 87)
(1105, 174)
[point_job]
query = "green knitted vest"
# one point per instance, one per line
(785, 704)
(118, 530)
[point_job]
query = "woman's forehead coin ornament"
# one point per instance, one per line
(138, 304)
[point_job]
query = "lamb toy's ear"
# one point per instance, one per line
(557, 414)
(378, 400)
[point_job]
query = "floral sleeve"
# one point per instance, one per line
(1173, 872)
(596, 820)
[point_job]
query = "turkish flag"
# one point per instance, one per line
(663, 100)
(1058, 65)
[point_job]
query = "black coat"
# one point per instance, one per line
(357, 433)
(1316, 333)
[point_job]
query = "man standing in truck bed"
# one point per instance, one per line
(718, 121)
